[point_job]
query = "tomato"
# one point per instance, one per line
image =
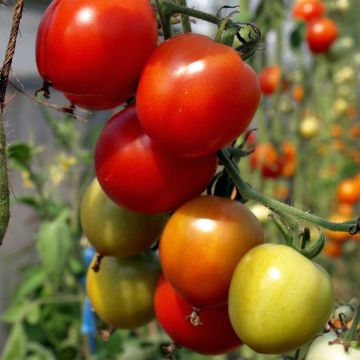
(348, 191)
(278, 299)
(201, 244)
(115, 230)
(138, 174)
(309, 127)
(270, 78)
(95, 49)
(267, 159)
(123, 289)
(298, 93)
(288, 159)
(196, 95)
(215, 334)
(338, 236)
(308, 9)
(321, 33)
(333, 249)
(320, 349)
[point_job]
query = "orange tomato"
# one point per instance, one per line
(270, 78)
(298, 93)
(348, 191)
(288, 159)
(308, 9)
(333, 249)
(338, 236)
(267, 159)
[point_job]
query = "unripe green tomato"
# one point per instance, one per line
(115, 230)
(278, 299)
(320, 349)
(122, 291)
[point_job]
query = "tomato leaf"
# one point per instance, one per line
(39, 352)
(297, 35)
(15, 347)
(53, 242)
(21, 154)
(16, 312)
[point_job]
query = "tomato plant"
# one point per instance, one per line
(321, 33)
(192, 240)
(278, 299)
(308, 9)
(178, 103)
(321, 348)
(71, 31)
(213, 336)
(123, 289)
(115, 230)
(137, 173)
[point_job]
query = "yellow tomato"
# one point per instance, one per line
(278, 299)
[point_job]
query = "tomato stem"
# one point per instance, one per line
(4, 79)
(249, 193)
(351, 334)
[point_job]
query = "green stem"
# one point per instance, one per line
(249, 193)
(350, 336)
(185, 20)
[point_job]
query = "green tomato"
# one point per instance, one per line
(320, 349)
(278, 299)
(122, 291)
(115, 230)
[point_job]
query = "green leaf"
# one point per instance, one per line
(15, 347)
(297, 35)
(28, 200)
(33, 316)
(39, 352)
(53, 242)
(21, 154)
(17, 312)
(30, 283)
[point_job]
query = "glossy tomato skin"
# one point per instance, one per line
(348, 191)
(122, 291)
(196, 95)
(278, 299)
(138, 174)
(321, 33)
(96, 48)
(270, 78)
(308, 9)
(320, 349)
(114, 230)
(201, 245)
(214, 336)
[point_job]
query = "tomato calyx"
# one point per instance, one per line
(97, 264)
(356, 228)
(169, 350)
(45, 89)
(194, 318)
(106, 333)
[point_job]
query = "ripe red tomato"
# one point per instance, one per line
(202, 243)
(214, 336)
(95, 48)
(308, 9)
(270, 78)
(321, 33)
(348, 191)
(267, 159)
(138, 174)
(196, 95)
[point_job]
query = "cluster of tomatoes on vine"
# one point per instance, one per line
(213, 284)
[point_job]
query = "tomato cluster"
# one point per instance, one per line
(220, 285)
(321, 31)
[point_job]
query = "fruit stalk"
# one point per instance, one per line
(4, 77)
(249, 193)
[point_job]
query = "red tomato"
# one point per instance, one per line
(202, 243)
(308, 9)
(321, 33)
(270, 78)
(196, 95)
(267, 159)
(136, 173)
(214, 336)
(96, 48)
